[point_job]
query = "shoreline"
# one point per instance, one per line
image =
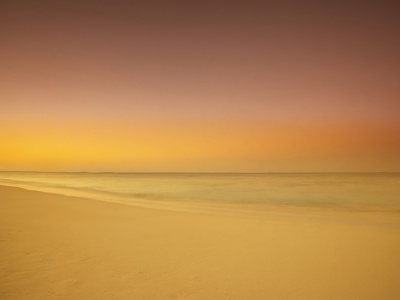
(64, 247)
(336, 214)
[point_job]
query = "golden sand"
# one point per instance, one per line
(58, 247)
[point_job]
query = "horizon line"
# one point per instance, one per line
(192, 172)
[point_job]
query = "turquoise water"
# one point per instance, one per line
(358, 191)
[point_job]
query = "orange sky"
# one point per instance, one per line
(250, 86)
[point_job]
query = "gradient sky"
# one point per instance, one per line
(200, 86)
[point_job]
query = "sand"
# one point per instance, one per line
(59, 247)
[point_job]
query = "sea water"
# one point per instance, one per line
(349, 191)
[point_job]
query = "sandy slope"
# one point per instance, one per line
(57, 247)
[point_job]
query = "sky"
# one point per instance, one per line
(200, 86)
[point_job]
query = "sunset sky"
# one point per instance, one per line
(200, 86)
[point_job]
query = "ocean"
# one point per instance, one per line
(344, 191)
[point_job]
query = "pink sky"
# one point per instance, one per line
(217, 86)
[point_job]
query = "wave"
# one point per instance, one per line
(355, 191)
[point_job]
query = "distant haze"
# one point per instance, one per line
(200, 86)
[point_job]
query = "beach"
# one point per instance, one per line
(64, 247)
